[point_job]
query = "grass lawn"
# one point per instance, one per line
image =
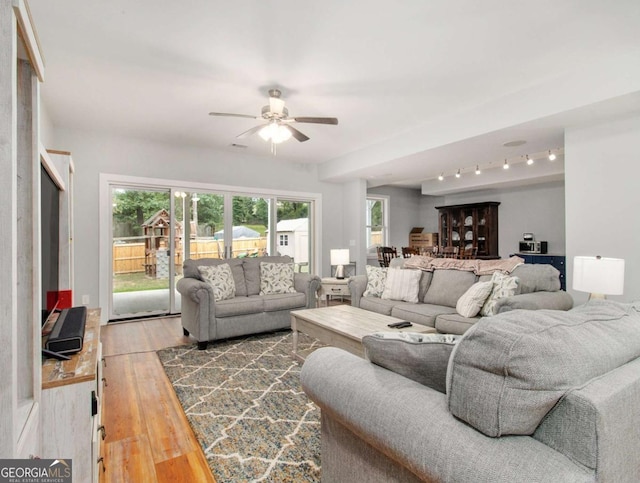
(138, 281)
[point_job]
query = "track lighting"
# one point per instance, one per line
(478, 169)
(552, 157)
(505, 165)
(529, 160)
(458, 173)
(441, 177)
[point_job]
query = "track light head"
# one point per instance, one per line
(529, 160)
(478, 169)
(552, 157)
(458, 173)
(441, 177)
(505, 165)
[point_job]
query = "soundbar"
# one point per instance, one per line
(67, 335)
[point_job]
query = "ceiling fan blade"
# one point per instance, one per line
(233, 115)
(251, 131)
(317, 120)
(296, 134)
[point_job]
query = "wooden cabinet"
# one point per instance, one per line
(71, 406)
(473, 227)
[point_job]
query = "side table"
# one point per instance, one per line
(331, 286)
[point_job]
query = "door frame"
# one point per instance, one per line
(108, 179)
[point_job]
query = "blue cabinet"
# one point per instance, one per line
(558, 261)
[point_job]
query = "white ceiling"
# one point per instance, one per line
(419, 87)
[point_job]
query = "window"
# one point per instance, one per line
(283, 240)
(377, 223)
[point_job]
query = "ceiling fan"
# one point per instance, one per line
(278, 127)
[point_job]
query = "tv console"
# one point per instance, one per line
(71, 405)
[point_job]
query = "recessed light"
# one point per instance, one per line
(513, 144)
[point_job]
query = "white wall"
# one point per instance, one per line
(404, 212)
(537, 209)
(603, 198)
(353, 223)
(94, 154)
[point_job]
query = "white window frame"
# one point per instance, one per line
(371, 253)
(283, 240)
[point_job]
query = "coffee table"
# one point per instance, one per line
(344, 326)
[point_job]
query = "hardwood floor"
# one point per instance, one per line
(148, 437)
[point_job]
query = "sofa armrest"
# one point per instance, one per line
(309, 285)
(198, 308)
(357, 285)
(189, 287)
(559, 300)
(411, 425)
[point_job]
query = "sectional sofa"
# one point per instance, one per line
(531, 396)
(245, 309)
(439, 290)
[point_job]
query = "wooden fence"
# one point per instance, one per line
(130, 257)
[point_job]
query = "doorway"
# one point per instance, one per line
(143, 238)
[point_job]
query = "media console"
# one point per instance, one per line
(71, 405)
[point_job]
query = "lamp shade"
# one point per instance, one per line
(598, 275)
(340, 256)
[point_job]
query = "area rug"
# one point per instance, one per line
(247, 409)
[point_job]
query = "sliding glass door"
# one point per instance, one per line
(154, 229)
(142, 266)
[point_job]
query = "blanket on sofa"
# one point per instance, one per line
(479, 267)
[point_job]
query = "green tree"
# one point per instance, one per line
(134, 207)
(291, 210)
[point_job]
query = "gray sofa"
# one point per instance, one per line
(531, 396)
(246, 313)
(440, 290)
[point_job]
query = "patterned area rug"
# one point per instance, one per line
(245, 404)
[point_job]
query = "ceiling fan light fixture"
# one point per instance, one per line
(274, 132)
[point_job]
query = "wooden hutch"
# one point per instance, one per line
(471, 226)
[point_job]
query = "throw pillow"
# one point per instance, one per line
(376, 278)
(420, 357)
(221, 280)
(473, 299)
(503, 286)
(276, 278)
(402, 284)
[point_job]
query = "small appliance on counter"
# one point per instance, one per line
(530, 245)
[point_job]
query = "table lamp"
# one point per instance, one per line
(599, 276)
(340, 258)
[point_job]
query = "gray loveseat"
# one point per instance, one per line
(531, 396)
(439, 291)
(248, 312)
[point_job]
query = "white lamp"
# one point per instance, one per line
(340, 258)
(599, 276)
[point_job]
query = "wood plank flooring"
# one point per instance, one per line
(148, 436)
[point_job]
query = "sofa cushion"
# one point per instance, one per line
(284, 301)
(454, 323)
(221, 280)
(537, 278)
(251, 267)
(425, 279)
(376, 278)
(190, 270)
(474, 298)
(510, 370)
(447, 286)
(420, 357)
(239, 306)
(402, 285)
(503, 286)
(276, 278)
(378, 305)
(424, 314)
